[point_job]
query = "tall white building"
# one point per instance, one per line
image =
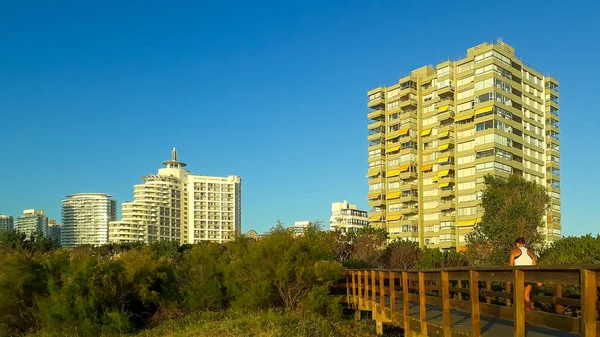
(32, 221)
(347, 217)
(176, 205)
(85, 219)
(300, 227)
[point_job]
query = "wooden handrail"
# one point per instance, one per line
(378, 289)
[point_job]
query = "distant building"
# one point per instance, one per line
(252, 234)
(347, 217)
(175, 205)
(300, 227)
(85, 219)
(32, 221)
(54, 231)
(6, 222)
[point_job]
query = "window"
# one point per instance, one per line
(430, 204)
(430, 217)
(464, 211)
(465, 146)
(465, 133)
(466, 172)
(464, 80)
(493, 68)
(493, 124)
(394, 207)
(430, 120)
(555, 183)
(394, 185)
(444, 84)
(431, 193)
(443, 70)
(394, 92)
(467, 185)
(465, 106)
(493, 96)
(393, 105)
(378, 186)
(492, 82)
(467, 198)
(465, 93)
(466, 159)
(394, 162)
(464, 67)
(494, 165)
(492, 53)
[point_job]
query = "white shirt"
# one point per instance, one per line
(524, 259)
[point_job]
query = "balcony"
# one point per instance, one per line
(376, 103)
(409, 210)
(446, 179)
(409, 198)
(408, 103)
(408, 175)
(446, 205)
(376, 114)
(446, 91)
(446, 193)
(375, 125)
(445, 116)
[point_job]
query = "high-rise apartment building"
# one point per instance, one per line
(176, 205)
(54, 231)
(436, 133)
(32, 221)
(85, 219)
(347, 217)
(6, 222)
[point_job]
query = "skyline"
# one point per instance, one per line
(96, 95)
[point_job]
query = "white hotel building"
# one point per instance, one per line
(176, 205)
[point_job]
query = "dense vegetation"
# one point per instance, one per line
(116, 290)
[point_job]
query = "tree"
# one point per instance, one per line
(514, 208)
(573, 251)
(401, 254)
(369, 245)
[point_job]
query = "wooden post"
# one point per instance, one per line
(422, 304)
(360, 287)
(488, 287)
(392, 278)
(445, 283)
(405, 302)
(459, 285)
(353, 274)
(519, 303)
(366, 289)
(589, 296)
(557, 307)
(507, 289)
(474, 297)
(382, 292)
(373, 291)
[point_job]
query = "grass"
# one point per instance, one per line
(260, 324)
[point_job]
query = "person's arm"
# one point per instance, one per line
(534, 261)
(511, 261)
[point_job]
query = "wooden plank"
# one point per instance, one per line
(422, 304)
(445, 285)
(575, 302)
(460, 291)
(366, 288)
(359, 288)
(557, 307)
(405, 302)
(460, 286)
(488, 288)
(589, 297)
(348, 288)
(507, 289)
(392, 278)
(519, 303)
(474, 297)
(489, 294)
(564, 277)
(496, 276)
(458, 275)
(373, 288)
(381, 291)
(413, 275)
(432, 276)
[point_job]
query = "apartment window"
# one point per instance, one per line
(493, 96)
(555, 183)
(465, 93)
(394, 92)
(393, 105)
(493, 165)
(430, 204)
(493, 124)
(430, 120)
(394, 185)
(445, 83)
(466, 211)
(465, 106)
(467, 185)
(431, 193)
(375, 163)
(466, 159)
(377, 186)
(393, 117)
(492, 82)
(430, 217)
(493, 68)
(375, 153)
(492, 53)
(466, 146)
(555, 195)
(466, 172)
(394, 207)
(375, 96)
(407, 157)
(467, 198)
(447, 237)
(429, 108)
(464, 67)
(553, 134)
(394, 162)
(443, 71)
(465, 133)
(464, 80)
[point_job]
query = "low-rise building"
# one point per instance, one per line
(347, 217)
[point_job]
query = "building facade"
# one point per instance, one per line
(32, 221)
(347, 217)
(176, 205)
(54, 231)
(300, 227)
(85, 218)
(6, 223)
(436, 133)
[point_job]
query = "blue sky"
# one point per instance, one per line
(93, 94)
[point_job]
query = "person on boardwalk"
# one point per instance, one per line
(521, 256)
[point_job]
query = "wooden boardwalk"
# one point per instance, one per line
(438, 302)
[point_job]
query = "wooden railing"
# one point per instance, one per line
(380, 290)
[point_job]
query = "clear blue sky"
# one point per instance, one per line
(93, 94)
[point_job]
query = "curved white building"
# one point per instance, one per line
(176, 205)
(85, 219)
